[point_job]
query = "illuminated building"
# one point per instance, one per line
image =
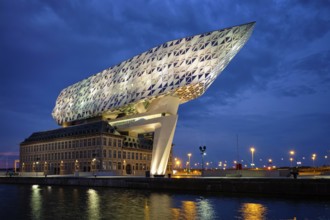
(141, 95)
(92, 147)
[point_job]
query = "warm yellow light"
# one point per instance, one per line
(189, 155)
(291, 159)
(252, 149)
(270, 160)
(291, 152)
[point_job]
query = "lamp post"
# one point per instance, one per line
(252, 152)
(313, 158)
(202, 150)
(270, 163)
(189, 155)
(291, 158)
(177, 163)
(37, 165)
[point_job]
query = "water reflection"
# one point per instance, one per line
(205, 209)
(93, 204)
(106, 203)
(253, 211)
(163, 206)
(160, 206)
(35, 202)
(188, 210)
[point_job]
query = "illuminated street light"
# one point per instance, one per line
(252, 151)
(270, 161)
(202, 150)
(292, 156)
(326, 159)
(177, 163)
(189, 155)
(76, 164)
(314, 158)
(37, 166)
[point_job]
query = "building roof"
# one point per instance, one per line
(183, 68)
(93, 128)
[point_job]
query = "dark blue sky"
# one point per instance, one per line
(275, 94)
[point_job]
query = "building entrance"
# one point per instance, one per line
(128, 169)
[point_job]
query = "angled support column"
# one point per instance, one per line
(163, 138)
(160, 117)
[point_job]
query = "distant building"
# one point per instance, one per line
(92, 147)
(140, 98)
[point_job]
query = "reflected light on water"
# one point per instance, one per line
(175, 213)
(205, 209)
(253, 211)
(57, 202)
(160, 206)
(35, 202)
(93, 204)
(188, 210)
(146, 210)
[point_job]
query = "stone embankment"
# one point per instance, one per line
(279, 187)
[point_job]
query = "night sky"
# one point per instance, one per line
(274, 95)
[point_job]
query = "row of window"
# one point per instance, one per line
(87, 154)
(81, 166)
(111, 142)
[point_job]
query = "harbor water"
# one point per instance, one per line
(58, 202)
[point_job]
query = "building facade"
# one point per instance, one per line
(138, 97)
(93, 147)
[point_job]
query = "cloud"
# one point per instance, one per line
(278, 81)
(9, 154)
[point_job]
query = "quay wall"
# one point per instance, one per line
(279, 187)
(247, 173)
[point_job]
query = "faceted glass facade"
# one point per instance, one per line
(182, 68)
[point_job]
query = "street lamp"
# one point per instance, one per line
(189, 155)
(37, 165)
(177, 163)
(313, 158)
(202, 150)
(292, 156)
(252, 151)
(270, 161)
(326, 159)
